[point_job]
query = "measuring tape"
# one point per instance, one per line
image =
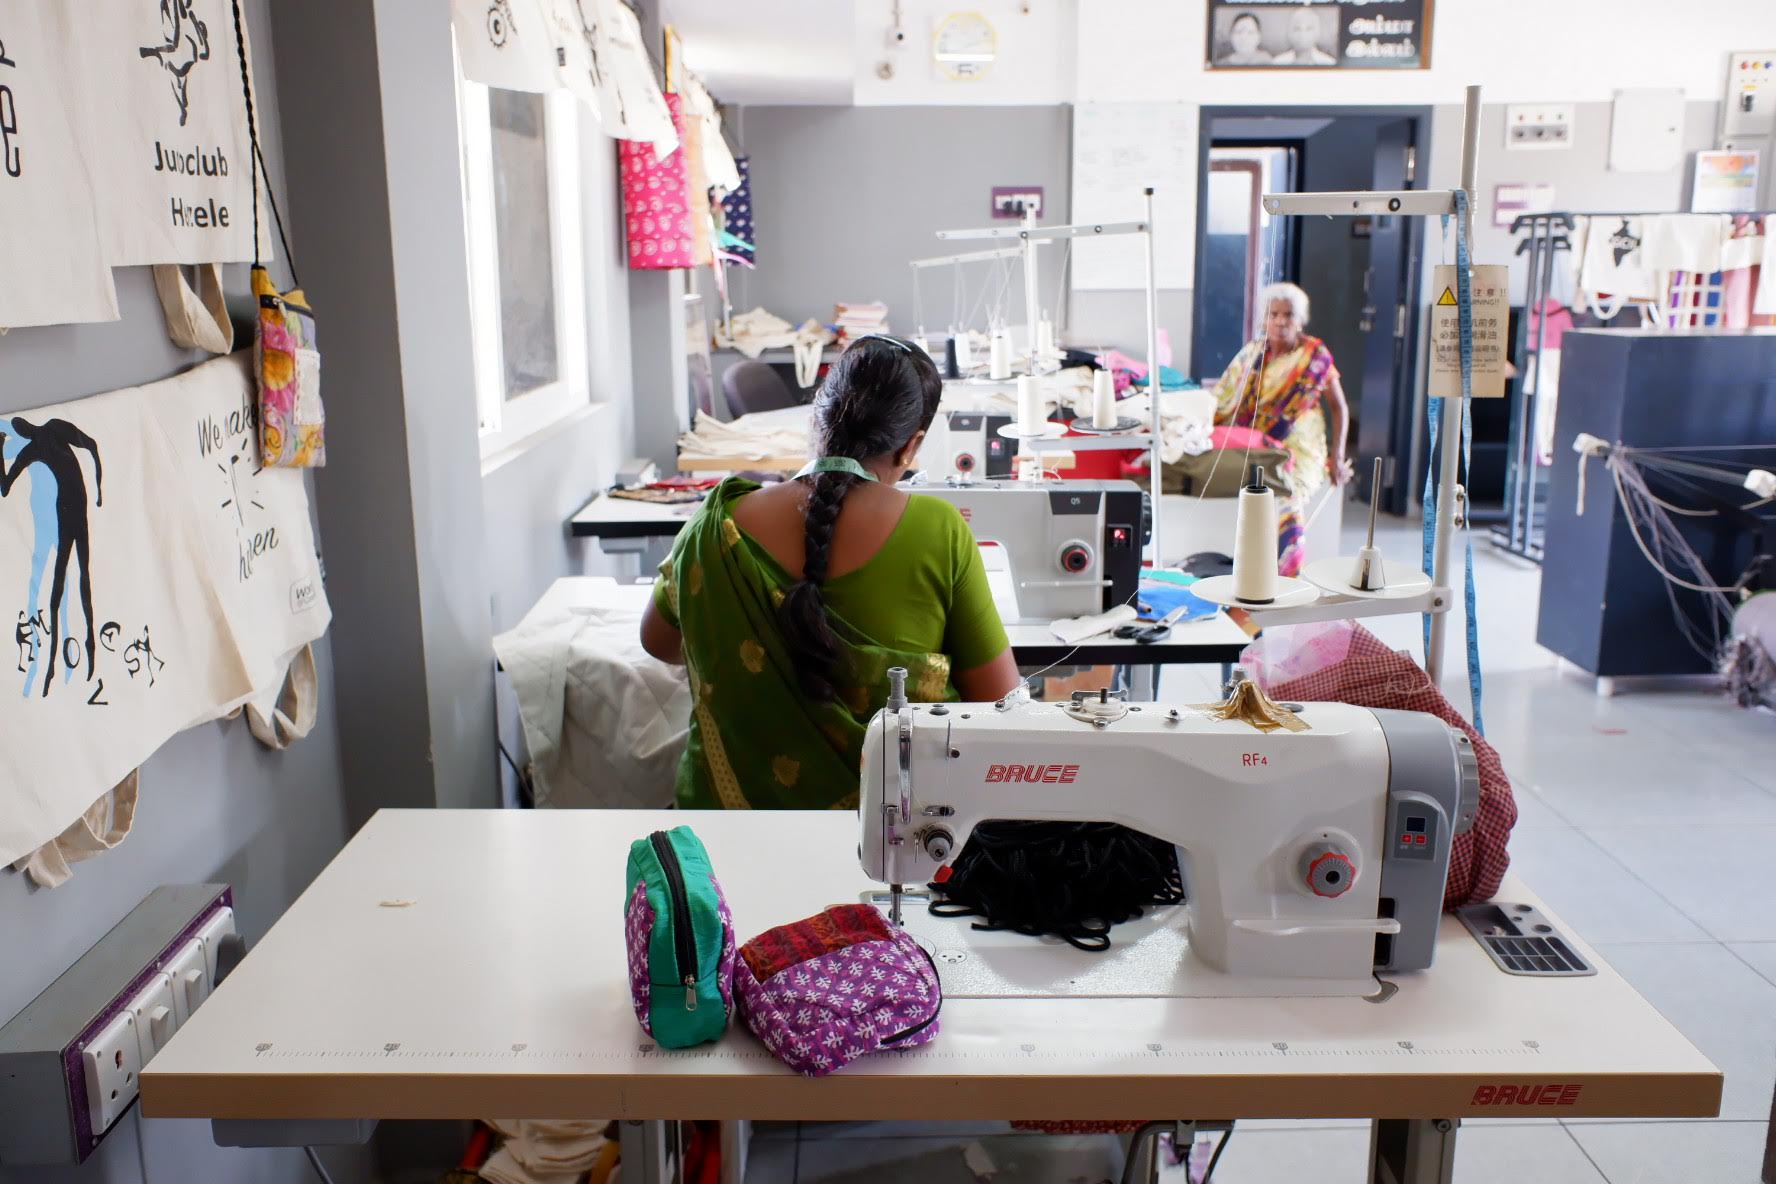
(1465, 322)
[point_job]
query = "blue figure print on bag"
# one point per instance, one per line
(59, 523)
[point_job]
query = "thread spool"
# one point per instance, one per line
(1045, 337)
(999, 356)
(1255, 542)
(1103, 400)
(1032, 418)
(964, 350)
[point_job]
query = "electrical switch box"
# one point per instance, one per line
(71, 1061)
(1749, 112)
(1538, 125)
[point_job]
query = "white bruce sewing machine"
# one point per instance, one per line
(1311, 859)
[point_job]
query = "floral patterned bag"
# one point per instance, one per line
(286, 364)
(839, 985)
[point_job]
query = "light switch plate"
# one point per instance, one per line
(1538, 126)
(191, 978)
(155, 1017)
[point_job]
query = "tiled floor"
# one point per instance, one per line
(1647, 821)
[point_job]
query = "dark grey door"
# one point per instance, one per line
(1380, 391)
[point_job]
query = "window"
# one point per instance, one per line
(527, 285)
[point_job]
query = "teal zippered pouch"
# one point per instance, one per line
(680, 940)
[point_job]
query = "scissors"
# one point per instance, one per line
(1145, 633)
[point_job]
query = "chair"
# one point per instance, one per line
(752, 386)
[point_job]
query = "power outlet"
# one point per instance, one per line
(1014, 201)
(71, 1061)
(190, 972)
(112, 1060)
(153, 1011)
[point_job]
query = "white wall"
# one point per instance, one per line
(1519, 50)
(1036, 58)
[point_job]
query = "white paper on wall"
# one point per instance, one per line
(154, 577)
(505, 43)
(161, 80)
(1119, 149)
(718, 160)
(52, 269)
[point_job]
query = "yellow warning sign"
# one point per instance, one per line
(1487, 287)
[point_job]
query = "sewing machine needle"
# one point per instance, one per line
(894, 904)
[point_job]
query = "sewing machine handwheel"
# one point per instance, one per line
(1329, 871)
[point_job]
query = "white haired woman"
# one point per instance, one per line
(1286, 386)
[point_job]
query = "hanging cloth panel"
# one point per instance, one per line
(737, 212)
(1615, 263)
(505, 43)
(634, 108)
(718, 161)
(657, 203)
(171, 151)
(167, 580)
(50, 243)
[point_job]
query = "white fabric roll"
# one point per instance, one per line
(1103, 399)
(1255, 547)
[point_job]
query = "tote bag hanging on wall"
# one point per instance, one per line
(52, 267)
(161, 80)
(154, 577)
(505, 43)
(657, 202)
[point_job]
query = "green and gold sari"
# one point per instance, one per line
(756, 740)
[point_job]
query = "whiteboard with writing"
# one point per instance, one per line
(1118, 150)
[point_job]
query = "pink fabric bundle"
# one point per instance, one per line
(1342, 662)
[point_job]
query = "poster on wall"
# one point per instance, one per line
(168, 115)
(1324, 34)
(49, 221)
(152, 576)
(1726, 183)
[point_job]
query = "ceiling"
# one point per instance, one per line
(769, 51)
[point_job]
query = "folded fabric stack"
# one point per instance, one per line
(757, 437)
(852, 321)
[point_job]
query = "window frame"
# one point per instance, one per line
(501, 422)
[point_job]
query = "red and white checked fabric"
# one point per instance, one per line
(1372, 675)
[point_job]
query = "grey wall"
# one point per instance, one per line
(215, 804)
(843, 197)
(1580, 175)
(376, 193)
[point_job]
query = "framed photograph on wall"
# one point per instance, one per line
(1319, 34)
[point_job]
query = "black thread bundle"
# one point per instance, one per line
(1071, 880)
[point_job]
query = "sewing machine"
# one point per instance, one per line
(967, 444)
(1073, 548)
(1310, 859)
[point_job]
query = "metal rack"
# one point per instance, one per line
(1526, 482)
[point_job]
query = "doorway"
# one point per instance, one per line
(1361, 275)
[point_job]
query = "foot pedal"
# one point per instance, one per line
(1523, 941)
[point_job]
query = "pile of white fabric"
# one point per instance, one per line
(751, 438)
(547, 1151)
(605, 723)
(752, 333)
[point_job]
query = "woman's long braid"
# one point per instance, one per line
(804, 602)
(876, 398)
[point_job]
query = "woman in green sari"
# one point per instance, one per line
(787, 604)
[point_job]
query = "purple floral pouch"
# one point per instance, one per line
(824, 991)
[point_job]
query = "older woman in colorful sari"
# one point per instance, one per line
(788, 604)
(1286, 386)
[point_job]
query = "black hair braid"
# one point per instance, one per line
(876, 397)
